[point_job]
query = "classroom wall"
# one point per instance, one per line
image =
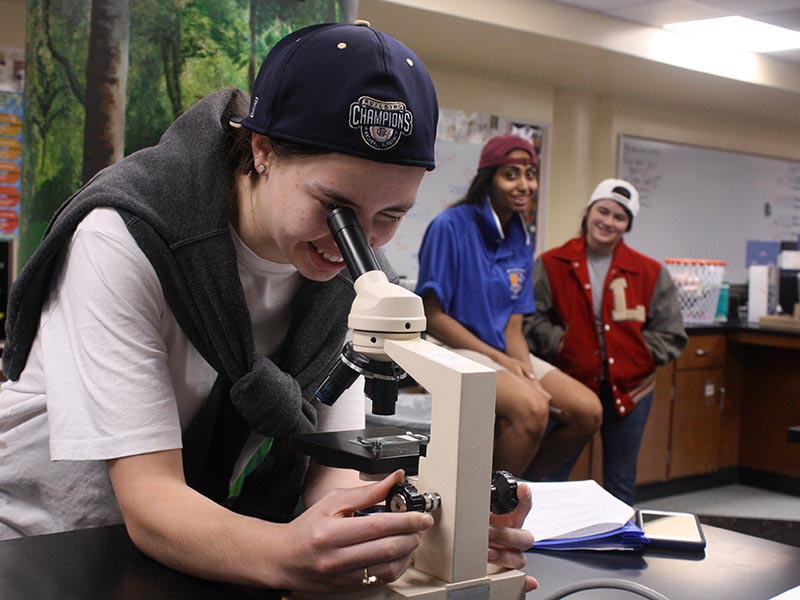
(12, 23)
(585, 119)
(579, 123)
(588, 98)
(585, 126)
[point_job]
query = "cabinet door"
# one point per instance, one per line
(652, 464)
(696, 422)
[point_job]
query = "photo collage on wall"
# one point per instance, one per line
(10, 163)
(12, 80)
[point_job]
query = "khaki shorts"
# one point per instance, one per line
(539, 367)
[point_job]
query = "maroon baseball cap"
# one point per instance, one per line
(495, 152)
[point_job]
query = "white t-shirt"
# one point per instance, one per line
(111, 374)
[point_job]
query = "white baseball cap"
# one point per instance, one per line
(618, 190)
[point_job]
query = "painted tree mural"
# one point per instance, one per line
(107, 77)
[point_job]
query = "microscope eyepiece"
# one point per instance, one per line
(352, 242)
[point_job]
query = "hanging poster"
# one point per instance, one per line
(10, 163)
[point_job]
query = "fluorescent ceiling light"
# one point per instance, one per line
(740, 32)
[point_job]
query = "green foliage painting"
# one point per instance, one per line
(107, 77)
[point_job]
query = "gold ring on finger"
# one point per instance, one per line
(368, 579)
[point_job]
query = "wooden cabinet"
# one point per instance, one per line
(654, 451)
(697, 403)
(704, 351)
(726, 402)
(684, 432)
(696, 419)
(769, 403)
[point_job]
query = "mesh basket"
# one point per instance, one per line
(699, 282)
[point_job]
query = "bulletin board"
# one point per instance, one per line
(459, 139)
(699, 202)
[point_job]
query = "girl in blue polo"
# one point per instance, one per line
(476, 261)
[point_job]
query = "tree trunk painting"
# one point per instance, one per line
(106, 78)
(251, 63)
(349, 10)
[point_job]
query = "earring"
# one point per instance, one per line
(261, 168)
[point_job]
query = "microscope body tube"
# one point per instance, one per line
(380, 308)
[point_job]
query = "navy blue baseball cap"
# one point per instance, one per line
(349, 89)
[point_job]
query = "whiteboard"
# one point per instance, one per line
(701, 202)
(447, 183)
(459, 139)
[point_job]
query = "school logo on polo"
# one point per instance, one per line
(381, 122)
(516, 279)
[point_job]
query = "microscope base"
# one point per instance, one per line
(416, 585)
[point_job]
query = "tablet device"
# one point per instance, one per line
(672, 530)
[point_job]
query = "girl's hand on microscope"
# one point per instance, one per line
(508, 541)
(329, 550)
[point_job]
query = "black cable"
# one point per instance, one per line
(606, 583)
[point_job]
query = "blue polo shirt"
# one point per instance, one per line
(480, 275)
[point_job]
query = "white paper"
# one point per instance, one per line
(757, 292)
(569, 509)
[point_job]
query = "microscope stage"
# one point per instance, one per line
(374, 451)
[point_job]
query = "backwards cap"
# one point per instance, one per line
(349, 89)
(495, 152)
(620, 191)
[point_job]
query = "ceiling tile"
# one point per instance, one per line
(783, 13)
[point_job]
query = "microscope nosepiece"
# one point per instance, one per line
(338, 380)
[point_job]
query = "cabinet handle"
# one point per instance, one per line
(701, 352)
(721, 397)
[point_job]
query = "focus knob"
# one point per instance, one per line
(504, 493)
(404, 497)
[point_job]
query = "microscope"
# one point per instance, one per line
(447, 474)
